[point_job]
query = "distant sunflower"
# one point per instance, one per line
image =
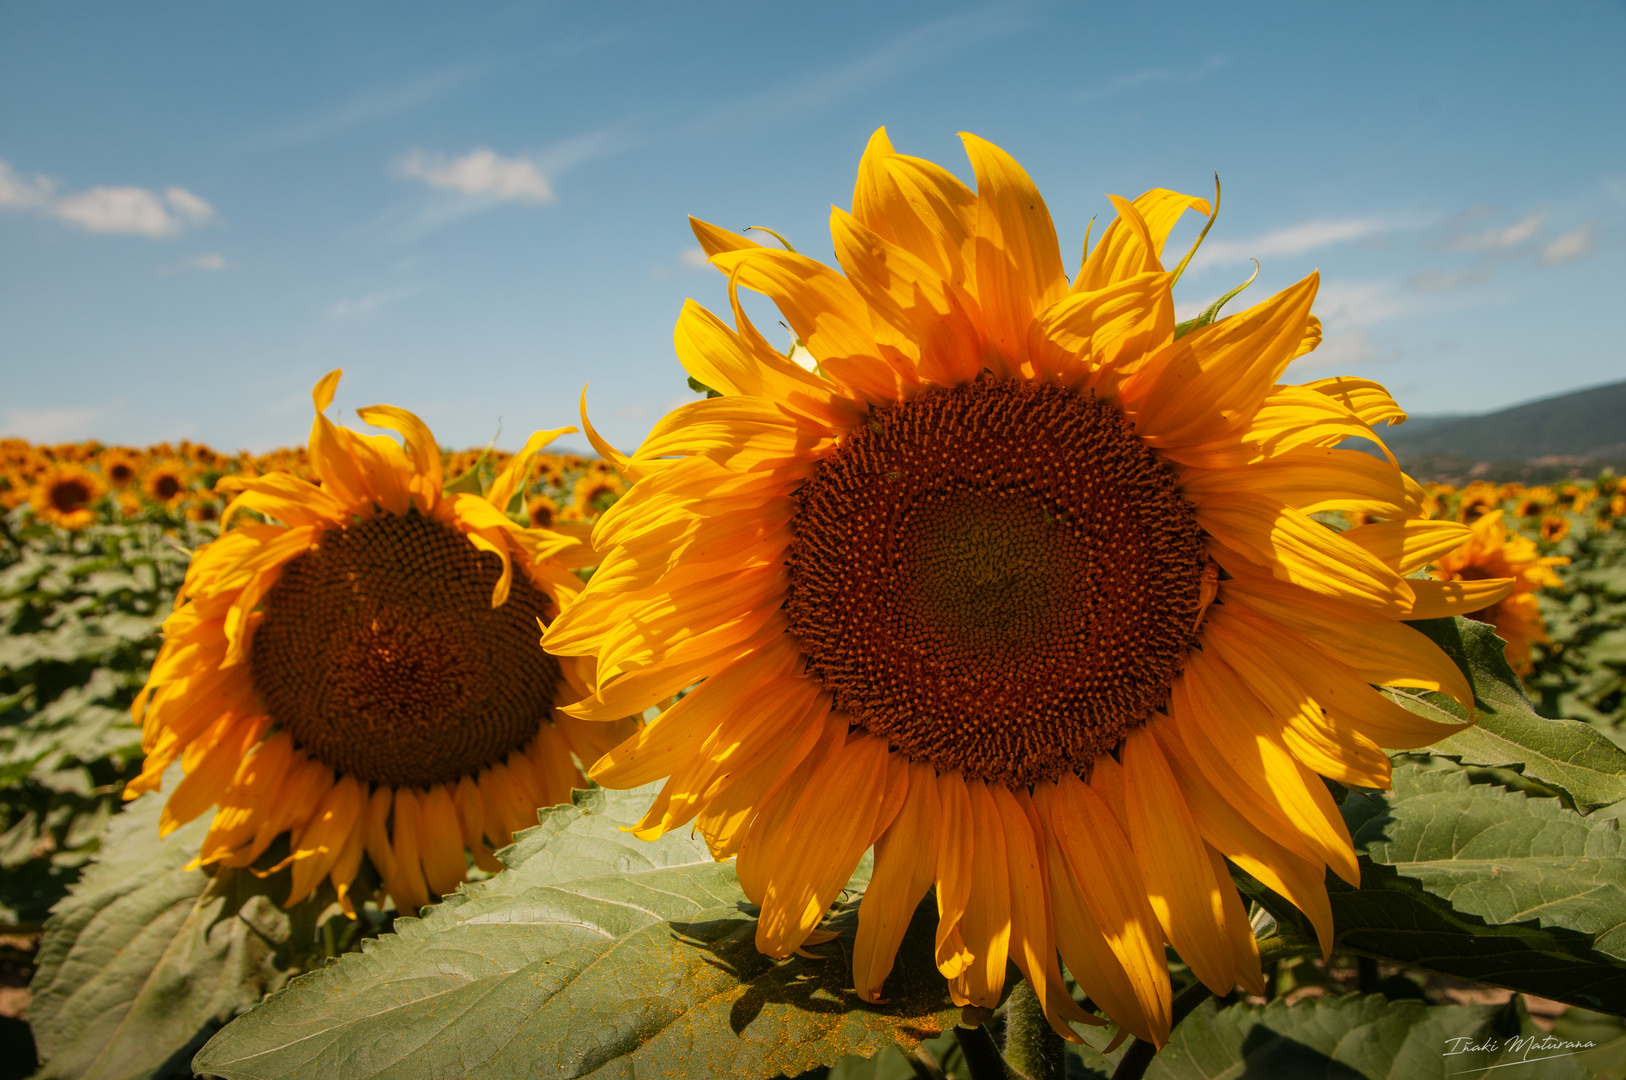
(1476, 500)
(596, 490)
(365, 675)
(65, 495)
(1495, 553)
(120, 466)
(167, 483)
(946, 594)
(1554, 527)
(542, 511)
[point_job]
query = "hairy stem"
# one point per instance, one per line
(1032, 1046)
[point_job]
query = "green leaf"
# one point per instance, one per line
(1362, 1036)
(143, 960)
(1476, 882)
(595, 953)
(1566, 754)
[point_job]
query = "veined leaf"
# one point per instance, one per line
(1363, 1036)
(1567, 754)
(593, 954)
(143, 960)
(1480, 883)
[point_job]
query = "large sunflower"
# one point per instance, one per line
(361, 672)
(1021, 587)
(1497, 553)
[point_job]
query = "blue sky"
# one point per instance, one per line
(475, 209)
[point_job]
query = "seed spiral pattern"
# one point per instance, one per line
(999, 578)
(382, 656)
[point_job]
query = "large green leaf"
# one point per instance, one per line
(1363, 1036)
(1567, 754)
(1480, 883)
(594, 954)
(143, 960)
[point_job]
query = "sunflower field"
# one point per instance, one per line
(1007, 680)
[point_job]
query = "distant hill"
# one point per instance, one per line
(1571, 435)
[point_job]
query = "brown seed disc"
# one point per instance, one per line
(1000, 578)
(382, 656)
(66, 496)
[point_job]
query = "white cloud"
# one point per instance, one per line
(1146, 76)
(50, 425)
(1294, 240)
(192, 208)
(1348, 305)
(1434, 279)
(692, 258)
(364, 306)
(1575, 244)
(207, 262)
(130, 211)
(1346, 350)
(1496, 239)
(18, 192)
(480, 173)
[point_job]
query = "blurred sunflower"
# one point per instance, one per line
(1495, 553)
(1476, 500)
(167, 483)
(120, 466)
(365, 676)
(595, 491)
(542, 511)
(65, 495)
(946, 595)
(1554, 527)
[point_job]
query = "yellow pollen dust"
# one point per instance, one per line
(999, 578)
(382, 656)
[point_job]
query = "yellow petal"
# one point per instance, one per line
(1133, 242)
(1019, 269)
(905, 866)
(1295, 548)
(1174, 864)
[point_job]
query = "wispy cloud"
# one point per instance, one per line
(481, 174)
(128, 211)
(18, 192)
(364, 307)
(370, 105)
(1348, 349)
(1294, 240)
(1153, 75)
(211, 263)
(894, 59)
(51, 425)
(1567, 247)
(1460, 237)
(1433, 279)
(688, 260)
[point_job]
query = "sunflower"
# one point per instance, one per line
(1498, 554)
(1476, 500)
(365, 676)
(596, 490)
(542, 511)
(65, 495)
(1554, 527)
(1020, 587)
(167, 482)
(120, 466)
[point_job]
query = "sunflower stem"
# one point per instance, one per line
(1032, 1047)
(981, 1055)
